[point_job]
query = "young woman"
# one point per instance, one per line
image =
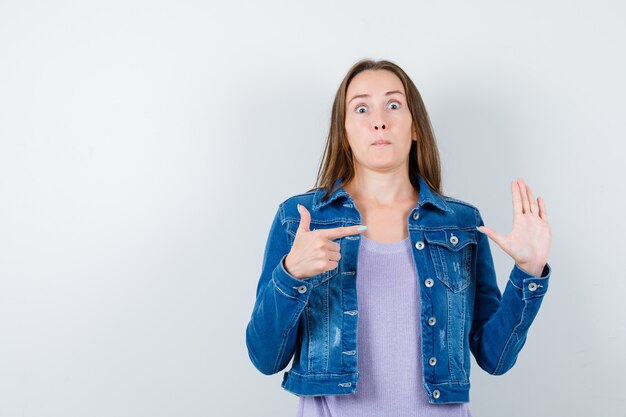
(380, 319)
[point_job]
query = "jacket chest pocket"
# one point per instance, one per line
(452, 251)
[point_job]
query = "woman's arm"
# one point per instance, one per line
(280, 300)
(501, 322)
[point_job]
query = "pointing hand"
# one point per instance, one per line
(314, 252)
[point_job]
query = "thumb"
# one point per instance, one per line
(305, 219)
(491, 234)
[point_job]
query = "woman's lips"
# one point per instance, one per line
(381, 142)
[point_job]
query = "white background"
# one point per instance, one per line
(145, 147)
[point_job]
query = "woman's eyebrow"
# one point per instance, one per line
(367, 95)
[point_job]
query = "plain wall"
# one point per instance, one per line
(145, 147)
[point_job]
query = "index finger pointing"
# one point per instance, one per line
(336, 232)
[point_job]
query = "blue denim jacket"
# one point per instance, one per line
(314, 320)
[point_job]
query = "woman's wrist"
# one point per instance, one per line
(532, 269)
(286, 268)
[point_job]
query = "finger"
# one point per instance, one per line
(525, 205)
(517, 198)
(333, 246)
(334, 256)
(305, 219)
(340, 232)
(332, 265)
(492, 234)
(542, 209)
(531, 199)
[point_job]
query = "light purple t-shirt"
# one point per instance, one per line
(388, 340)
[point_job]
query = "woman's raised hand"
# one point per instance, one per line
(314, 252)
(528, 243)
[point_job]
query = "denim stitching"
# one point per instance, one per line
(283, 343)
(468, 229)
(505, 351)
(439, 259)
(442, 264)
(513, 333)
(323, 374)
(462, 338)
(308, 330)
(327, 325)
(464, 203)
(448, 331)
(284, 293)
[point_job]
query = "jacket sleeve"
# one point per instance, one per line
(501, 321)
(271, 334)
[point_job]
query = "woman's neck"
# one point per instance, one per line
(382, 190)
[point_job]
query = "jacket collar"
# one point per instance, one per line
(426, 195)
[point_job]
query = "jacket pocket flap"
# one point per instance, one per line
(452, 239)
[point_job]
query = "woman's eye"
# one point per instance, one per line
(393, 105)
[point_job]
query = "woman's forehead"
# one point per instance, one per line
(378, 82)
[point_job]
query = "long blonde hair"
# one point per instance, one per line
(337, 158)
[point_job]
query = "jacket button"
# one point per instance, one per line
(419, 245)
(429, 282)
(454, 240)
(432, 361)
(432, 321)
(302, 289)
(436, 394)
(532, 286)
(416, 215)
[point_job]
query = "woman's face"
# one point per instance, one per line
(377, 110)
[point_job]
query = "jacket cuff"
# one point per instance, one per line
(289, 285)
(531, 286)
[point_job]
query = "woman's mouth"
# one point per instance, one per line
(381, 143)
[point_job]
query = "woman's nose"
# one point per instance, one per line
(378, 120)
(380, 125)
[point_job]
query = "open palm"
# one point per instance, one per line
(528, 242)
